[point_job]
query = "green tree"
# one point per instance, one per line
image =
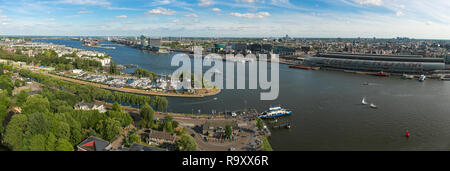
(160, 103)
(228, 131)
(4, 105)
(124, 118)
(186, 143)
(38, 123)
(51, 142)
(113, 68)
(168, 123)
(37, 143)
(117, 107)
(63, 145)
(259, 123)
(14, 133)
(36, 103)
(21, 97)
(108, 128)
(62, 131)
(6, 84)
(147, 115)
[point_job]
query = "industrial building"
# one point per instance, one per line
(377, 63)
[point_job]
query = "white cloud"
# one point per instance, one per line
(216, 9)
(84, 12)
(176, 21)
(161, 11)
(205, 3)
(399, 13)
(122, 16)
(50, 19)
(83, 2)
(247, 1)
(191, 15)
(251, 15)
(162, 2)
(370, 2)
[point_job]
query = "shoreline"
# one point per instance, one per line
(134, 91)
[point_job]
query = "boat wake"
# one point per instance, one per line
(203, 102)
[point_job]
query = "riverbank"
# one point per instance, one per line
(209, 92)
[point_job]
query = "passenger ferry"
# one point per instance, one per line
(274, 112)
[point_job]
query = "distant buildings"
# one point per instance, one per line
(377, 63)
(154, 42)
(144, 41)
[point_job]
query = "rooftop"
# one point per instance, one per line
(94, 144)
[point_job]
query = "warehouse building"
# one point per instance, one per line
(376, 63)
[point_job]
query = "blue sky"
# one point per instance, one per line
(228, 18)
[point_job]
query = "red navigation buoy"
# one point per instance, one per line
(407, 134)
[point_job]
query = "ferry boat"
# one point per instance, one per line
(275, 112)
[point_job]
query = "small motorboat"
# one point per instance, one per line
(364, 101)
(422, 78)
(382, 74)
(373, 106)
(407, 134)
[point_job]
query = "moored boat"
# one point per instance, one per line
(382, 74)
(301, 67)
(275, 112)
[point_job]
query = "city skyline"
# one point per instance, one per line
(234, 18)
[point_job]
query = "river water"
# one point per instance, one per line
(326, 105)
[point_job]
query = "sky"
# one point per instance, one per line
(421, 19)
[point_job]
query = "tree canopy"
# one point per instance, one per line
(147, 115)
(186, 143)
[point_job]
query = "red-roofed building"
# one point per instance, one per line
(94, 144)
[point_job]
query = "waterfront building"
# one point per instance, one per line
(283, 50)
(240, 47)
(154, 42)
(447, 58)
(143, 40)
(255, 48)
(161, 138)
(266, 48)
(376, 63)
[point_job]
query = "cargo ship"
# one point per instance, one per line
(275, 112)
